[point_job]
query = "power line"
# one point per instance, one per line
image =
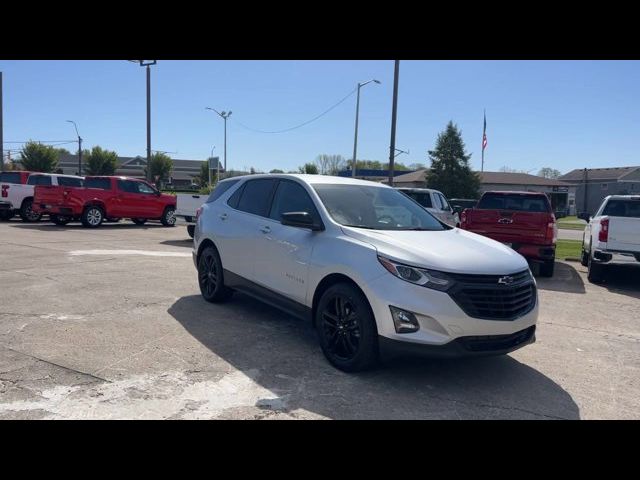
(297, 126)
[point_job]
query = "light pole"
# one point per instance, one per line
(394, 116)
(79, 147)
(224, 116)
(148, 64)
(355, 139)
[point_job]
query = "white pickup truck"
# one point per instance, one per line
(17, 188)
(186, 206)
(612, 236)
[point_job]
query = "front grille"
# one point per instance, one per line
(488, 343)
(481, 296)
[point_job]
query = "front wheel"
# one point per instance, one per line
(346, 328)
(211, 277)
(168, 217)
(26, 212)
(92, 217)
(59, 219)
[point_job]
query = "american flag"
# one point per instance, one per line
(484, 133)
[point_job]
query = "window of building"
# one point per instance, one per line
(604, 186)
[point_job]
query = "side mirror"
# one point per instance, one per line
(457, 209)
(300, 220)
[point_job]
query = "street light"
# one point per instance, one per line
(355, 139)
(148, 64)
(79, 147)
(224, 116)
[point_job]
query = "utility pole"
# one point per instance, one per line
(148, 63)
(586, 177)
(1, 129)
(79, 147)
(355, 138)
(394, 115)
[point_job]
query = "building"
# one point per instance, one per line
(561, 194)
(593, 184)
(182, 175)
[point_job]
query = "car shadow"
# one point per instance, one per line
(622, 279)
(78, 226)
(281, 354)
(187, 243)
(565, 279)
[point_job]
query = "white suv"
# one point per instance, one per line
(373, 270)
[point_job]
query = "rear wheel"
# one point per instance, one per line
(139, 221)
(168, 217)
(211, 277)
(584, 259)
(92, 216)
(546, 269)
(596, 271)
(191, 230)
(59, 219)
(26, 212)
(346, 328)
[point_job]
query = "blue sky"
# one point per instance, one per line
(561, 114)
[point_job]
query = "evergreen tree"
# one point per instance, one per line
(450, 171)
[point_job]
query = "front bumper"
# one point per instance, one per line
(441, 319)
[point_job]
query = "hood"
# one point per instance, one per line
(169, 199)
(455, 250)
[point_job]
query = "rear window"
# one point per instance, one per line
(69, 182)
(517, 202)
(101, 183)
(623, 208)
(423, 198)
(10, 177)
(39, 180)
(220, 189)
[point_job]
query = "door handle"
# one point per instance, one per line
(223, 216)
(266, 229)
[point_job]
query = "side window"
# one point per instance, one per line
(235, 198)
(445, 204)
(127, 186)
(10, 177)
(144, 188)
(39, 180)
(220, 189)
(436, 201)
(256, 197)
(69, 182)
(101, 183)
(291, 197)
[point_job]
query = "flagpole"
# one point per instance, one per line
(484, 136)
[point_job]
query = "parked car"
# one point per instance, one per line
(459, 204)
(19, 197)
(186, 206)
(612, 235)
(325, 249)
(434, 202)
(103, 197)
(523, 221)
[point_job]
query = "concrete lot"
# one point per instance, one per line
(109, 323)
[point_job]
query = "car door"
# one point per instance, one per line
(127, 200)
(238, 226)
(436, 210)
(282, 264)
(149, 201)
(446, 211)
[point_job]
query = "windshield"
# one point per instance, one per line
(376, 208)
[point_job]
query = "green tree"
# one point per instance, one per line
(202, 179)
(548, 172)
(36, 157)
(63, 151)
(310, 168)
(276, 170)
(100, 162)
(450, 171)
(160, 165)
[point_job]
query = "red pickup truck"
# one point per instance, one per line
(522, 220)
(103, 198)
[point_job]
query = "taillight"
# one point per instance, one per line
(463, 219)
(603, 235)
(198, 212)
(552, 230)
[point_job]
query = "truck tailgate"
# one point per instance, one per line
(187, 204)
(48, 195)
(624, 234)
(509, 225)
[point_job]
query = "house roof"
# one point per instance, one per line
(417, 176)
(514, 178)
(614, 173)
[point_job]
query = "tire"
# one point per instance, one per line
(595, 273)
(59, 219)
(6, 215)
(168, 218)
(139, 221)
(191, 230)
(26, 212)
(546, 269)
(584, 259)
(211, 277)
(92, 216)
(347, 329)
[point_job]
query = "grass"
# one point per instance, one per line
(568, 248)
(571, 223)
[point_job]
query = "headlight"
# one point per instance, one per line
(419, 276)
